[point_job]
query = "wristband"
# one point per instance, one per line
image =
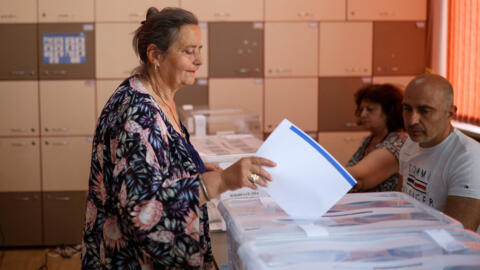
(204, 188)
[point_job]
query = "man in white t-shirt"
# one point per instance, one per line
(440, 166)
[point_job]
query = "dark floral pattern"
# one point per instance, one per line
(393, 143)
(143, 201)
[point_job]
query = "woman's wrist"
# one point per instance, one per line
(213, 183)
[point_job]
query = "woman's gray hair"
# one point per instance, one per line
(160, 28)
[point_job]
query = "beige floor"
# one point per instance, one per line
(33, 259)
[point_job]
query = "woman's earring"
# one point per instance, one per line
(156, 67)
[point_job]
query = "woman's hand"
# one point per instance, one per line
(242, 173)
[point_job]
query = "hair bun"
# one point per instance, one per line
(152, 11)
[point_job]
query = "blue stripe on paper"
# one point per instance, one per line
(325, 155)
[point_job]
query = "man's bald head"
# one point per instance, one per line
(431, 82)
(428, 109)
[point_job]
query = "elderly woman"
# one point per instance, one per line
(375, 164)
(148, 186)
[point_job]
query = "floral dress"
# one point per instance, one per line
(143, 201)
(393, 143)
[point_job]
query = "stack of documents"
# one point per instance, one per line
(262, 219)
(224, 150)
(435, 249)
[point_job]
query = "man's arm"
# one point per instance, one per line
(463, 201)
(464, 209)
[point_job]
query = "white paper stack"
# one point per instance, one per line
(414, 250)
(261, 219)
(224, 150)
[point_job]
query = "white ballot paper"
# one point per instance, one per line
(307, 180)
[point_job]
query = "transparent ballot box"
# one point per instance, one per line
(225, 150)
(202, 121)
(413, 250)
(261, 219)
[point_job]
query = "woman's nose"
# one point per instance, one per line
(198, 59)
(363, 112)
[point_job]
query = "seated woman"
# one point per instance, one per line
(375, 164)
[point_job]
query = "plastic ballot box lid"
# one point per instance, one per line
(449, 249)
